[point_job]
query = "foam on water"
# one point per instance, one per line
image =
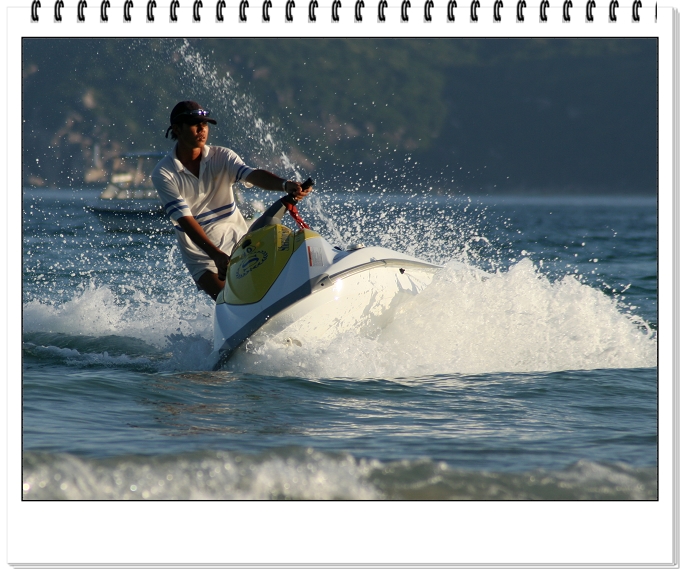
(97, 311)
(179, 325)
(307, 474)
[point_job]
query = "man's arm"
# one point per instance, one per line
(195, 232)
(268, 181)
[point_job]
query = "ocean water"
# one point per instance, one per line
(538, 382)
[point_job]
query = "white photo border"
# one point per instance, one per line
(353, 534)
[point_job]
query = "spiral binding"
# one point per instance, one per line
(359, 7)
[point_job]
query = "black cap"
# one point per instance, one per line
(188, 112)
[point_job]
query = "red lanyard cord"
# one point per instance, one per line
(295, 214)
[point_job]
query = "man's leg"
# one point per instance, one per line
(210, 283)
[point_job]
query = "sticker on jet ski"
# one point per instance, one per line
(315, 256)
(254, 260)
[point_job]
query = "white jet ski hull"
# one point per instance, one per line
(322, 293)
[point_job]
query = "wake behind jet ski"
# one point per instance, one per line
(293, 286)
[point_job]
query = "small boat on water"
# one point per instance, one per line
(130, 204)
(291, 287)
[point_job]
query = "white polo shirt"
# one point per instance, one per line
(208, 198)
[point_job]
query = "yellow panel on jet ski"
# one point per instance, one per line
(258, 261)
(302, 236)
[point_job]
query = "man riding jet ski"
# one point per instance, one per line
(195, 185)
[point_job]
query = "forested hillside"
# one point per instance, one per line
(471, 115)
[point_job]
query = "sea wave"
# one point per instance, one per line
(466, 321)
(307, 474)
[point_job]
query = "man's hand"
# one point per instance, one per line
(222, 263)
(296, 190)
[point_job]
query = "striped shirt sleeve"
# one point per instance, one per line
(237, 168)
(166, 186)
(177, 208)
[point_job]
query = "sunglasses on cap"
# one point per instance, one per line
(194, 113)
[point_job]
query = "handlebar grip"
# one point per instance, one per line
(308, 183)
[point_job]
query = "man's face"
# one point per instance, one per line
(192, 135)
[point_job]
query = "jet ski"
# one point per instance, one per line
(293, 286)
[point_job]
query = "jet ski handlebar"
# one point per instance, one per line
(273, 215)
(308, 183)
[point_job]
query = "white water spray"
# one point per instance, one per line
(464, 322)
